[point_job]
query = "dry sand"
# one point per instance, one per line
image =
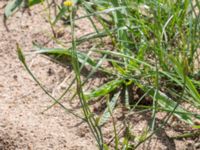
(22, 126)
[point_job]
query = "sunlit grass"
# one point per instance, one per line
(155, 47)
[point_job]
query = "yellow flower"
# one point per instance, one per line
(68, 3)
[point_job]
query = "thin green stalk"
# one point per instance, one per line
(167, 117)
(22, 59)
(87, 113)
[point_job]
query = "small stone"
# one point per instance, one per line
(15, 77)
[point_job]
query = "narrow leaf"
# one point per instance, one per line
(107, 113)
(104, 89)
(12, 7)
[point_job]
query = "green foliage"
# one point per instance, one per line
(34, 2)
(104, 89)
(15, 5)
(155, 45)
(12, 7)
(109, 110)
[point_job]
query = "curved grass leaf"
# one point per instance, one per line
(12, 7)
(82, 57)
(104, 89)
(180, 69)
(168, 104)
(60, 14)
(23, 61)
(34, 2)
(107, 113)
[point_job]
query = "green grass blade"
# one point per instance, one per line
(167, 103)
(103, 90)
(107, 113)
(12, 7)
(22, 59)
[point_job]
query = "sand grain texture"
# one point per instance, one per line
(22, 126)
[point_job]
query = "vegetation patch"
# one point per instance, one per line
(149, 66)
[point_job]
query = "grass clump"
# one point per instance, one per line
(153, 53)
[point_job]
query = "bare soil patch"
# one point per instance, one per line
(22, 126)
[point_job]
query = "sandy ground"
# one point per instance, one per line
(22, 126)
